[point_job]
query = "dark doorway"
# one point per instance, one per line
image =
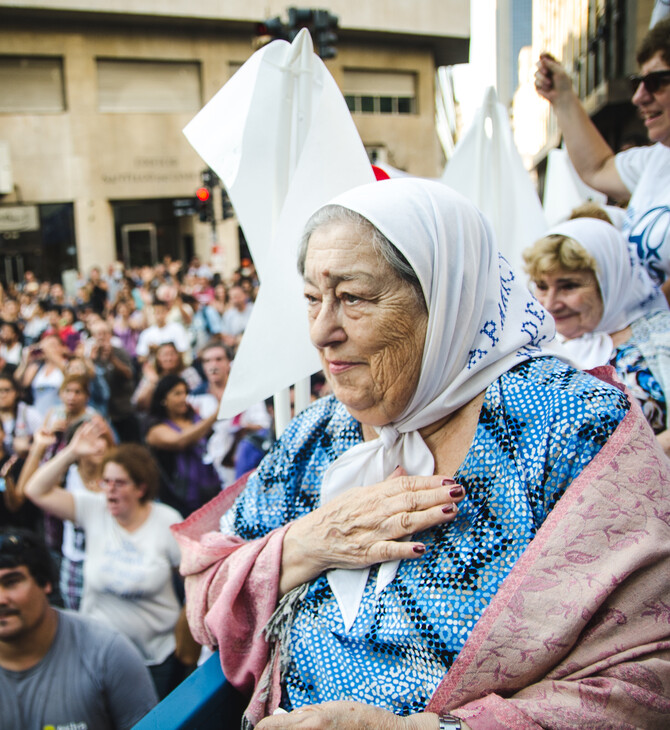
(147, 231)
(47, 250)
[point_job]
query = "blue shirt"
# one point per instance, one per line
(541, 423)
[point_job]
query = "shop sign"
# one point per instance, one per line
(19, 218)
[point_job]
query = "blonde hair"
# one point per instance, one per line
(556, 252)
(590, 210)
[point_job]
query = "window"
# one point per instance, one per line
(31, 84)
(380, 92)
(148, 86)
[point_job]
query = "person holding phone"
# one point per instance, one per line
(42, 371)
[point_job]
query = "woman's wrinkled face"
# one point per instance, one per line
(366, 322)
(573, 299)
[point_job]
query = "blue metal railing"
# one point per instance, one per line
(203, 701)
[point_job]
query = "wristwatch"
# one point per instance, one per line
(449, 722)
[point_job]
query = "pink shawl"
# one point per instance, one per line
(578, 634)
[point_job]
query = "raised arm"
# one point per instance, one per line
(590, 154)
(12, 497)
(164, 437)
(42, 484)
(27, 369)
(43, 487)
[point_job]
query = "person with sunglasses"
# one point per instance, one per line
(641, 173)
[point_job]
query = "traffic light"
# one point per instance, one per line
(322, 25)
(299, 18)
(325, 33)
(227, 210)
(270, 30)
(205, 209)
(209, 178)
(204, 195)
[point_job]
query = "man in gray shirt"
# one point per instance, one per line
(58, 669)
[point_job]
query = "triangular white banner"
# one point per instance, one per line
(281, 138)
(487, 168)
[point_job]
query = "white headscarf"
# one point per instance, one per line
(627, 291)
(482, 322)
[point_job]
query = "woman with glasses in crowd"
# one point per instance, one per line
(128, 567)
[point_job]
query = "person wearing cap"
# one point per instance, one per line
(57, 668)
(641, 173)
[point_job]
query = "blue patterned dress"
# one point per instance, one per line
(643, 366)
(540, 424)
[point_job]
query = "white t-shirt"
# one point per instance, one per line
(27, 421)
(645, 171)
(155, 335)
(12, 354)
(128, 575)
(74, 539)
(234, 322)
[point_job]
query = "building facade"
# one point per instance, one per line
(93, 97)
(514, 31)
(596, 41)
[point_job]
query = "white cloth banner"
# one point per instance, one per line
(564, 189)
(281, 138)
(488, 170)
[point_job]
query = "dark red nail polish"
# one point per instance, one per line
(456, 492)
(447, 482)
(419, 549)
(447, 509)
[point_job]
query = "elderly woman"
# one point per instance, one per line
(397, 560)
(607, 310)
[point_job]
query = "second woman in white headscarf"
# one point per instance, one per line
(607, 310)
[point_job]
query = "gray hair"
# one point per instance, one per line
(330, 214)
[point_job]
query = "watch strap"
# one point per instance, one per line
(449, 722)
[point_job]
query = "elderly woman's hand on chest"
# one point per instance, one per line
(365, 526)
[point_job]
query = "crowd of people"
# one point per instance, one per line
(130, 367)
(469, 530)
